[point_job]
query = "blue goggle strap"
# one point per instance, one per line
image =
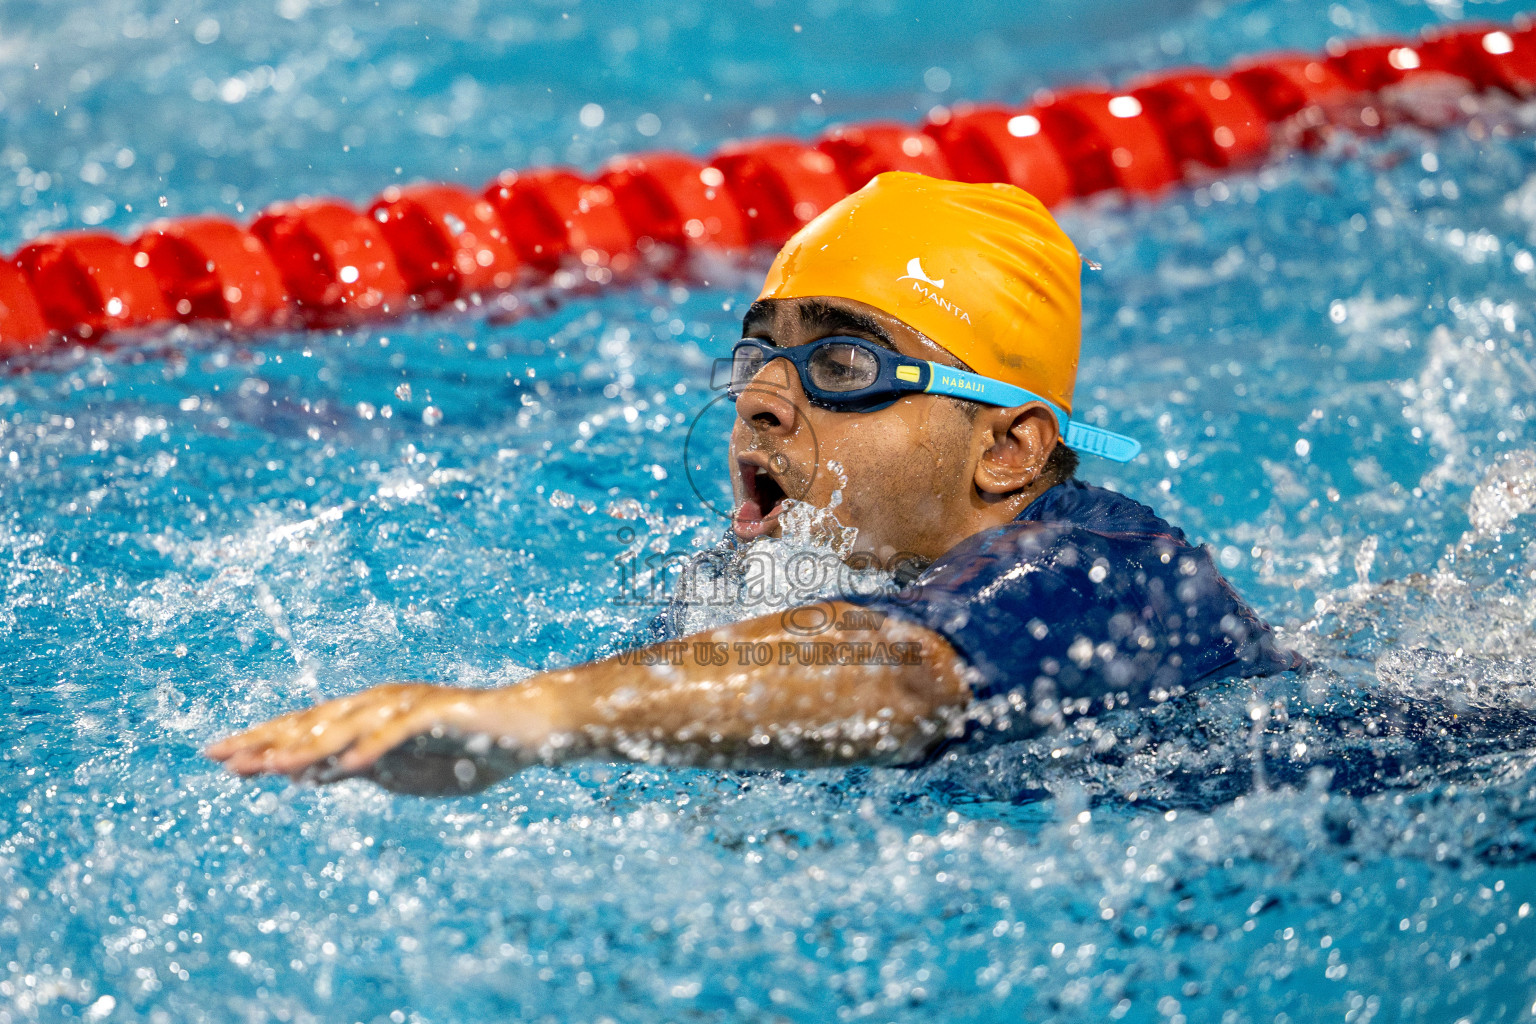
(945, 380)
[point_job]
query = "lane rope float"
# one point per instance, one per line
(321, 262)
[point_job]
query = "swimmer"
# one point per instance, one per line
(915, 347)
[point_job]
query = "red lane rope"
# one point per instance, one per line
(324, 263)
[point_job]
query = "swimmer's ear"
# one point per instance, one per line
(1015, 444)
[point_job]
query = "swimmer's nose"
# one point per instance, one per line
(770, 402)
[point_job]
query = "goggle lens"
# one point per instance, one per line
(837, 366)
(746, 362)
(826, 368)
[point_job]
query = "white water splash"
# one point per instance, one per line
(1507, 491)
(814, 559)
(1365, 557)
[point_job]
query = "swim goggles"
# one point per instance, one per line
(847, 374)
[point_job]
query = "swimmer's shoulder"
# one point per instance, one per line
(1061, 532)
(1084, 506)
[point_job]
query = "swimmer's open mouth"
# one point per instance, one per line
(763, 501)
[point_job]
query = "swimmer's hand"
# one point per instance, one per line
(412, 736)
(755, 693)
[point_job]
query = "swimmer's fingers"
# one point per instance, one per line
(296, 742)
(446, 711)
(330, 738)
(256, 736)
(243, 752)
(334, 734)
(269, 746)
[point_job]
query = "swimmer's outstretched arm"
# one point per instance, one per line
(753, 693)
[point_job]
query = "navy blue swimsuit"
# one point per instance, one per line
(1087, 593)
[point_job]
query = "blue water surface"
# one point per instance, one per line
(1329, 361)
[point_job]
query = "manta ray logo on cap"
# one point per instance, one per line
(920, 281)
(915, 273)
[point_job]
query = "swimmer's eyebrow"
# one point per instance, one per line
(757, 321)
(825, 320)
(819, 318)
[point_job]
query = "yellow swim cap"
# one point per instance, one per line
(982, 270)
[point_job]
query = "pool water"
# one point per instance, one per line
(1329, 362)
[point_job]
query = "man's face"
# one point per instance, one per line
(904, 471)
